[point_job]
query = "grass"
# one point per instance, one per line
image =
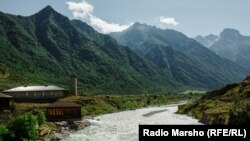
(93, 105)
(193, 92)
(230, 107)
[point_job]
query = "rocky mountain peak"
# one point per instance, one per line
(230, 33)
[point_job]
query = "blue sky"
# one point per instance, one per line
(192, 17)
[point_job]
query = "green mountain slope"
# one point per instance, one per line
(228, 105)
(47, 47)
(187, 61)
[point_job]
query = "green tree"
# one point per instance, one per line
(24, 126)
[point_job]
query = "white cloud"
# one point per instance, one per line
(80, 10)
(167, 20)
(106, 27)
(84, 11)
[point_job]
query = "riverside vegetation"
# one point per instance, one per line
(24, 126)
(27, 123)
(228, 105)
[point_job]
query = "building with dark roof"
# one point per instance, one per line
(63, 110)
(37, 92)
(5, 101)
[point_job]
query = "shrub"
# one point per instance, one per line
(40, 116)
(24, 126)
(3, 132)
(13, 107)
(130, 105)
(240, 114)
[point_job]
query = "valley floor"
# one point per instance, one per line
(123, 126)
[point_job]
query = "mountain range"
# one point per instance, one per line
(47, 47)
(230, 44)
(206, 41)
(186, 60)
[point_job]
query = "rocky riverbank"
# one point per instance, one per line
(59, 130)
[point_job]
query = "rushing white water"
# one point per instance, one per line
(123, 126)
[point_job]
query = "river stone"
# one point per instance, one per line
(44, 131)
(57, 137)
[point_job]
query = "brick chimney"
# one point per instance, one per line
(73, 85)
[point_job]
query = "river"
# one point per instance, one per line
(123, 126)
